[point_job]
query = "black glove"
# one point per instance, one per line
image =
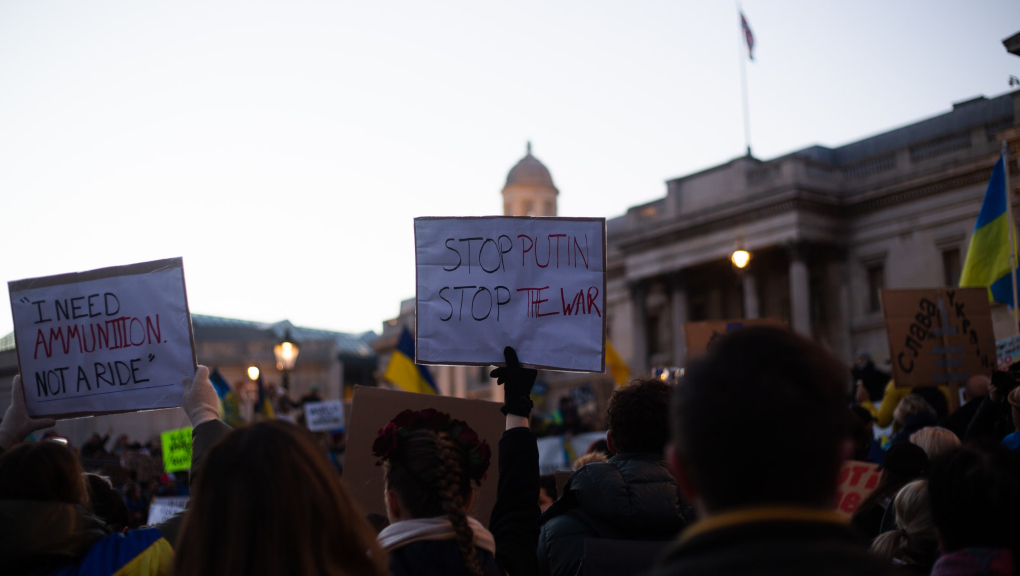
(517, 395)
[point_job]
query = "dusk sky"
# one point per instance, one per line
(283, 148)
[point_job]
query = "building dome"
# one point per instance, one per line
(530, 172)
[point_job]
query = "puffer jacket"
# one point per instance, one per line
(631, 497)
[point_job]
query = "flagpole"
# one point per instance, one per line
(743, 81)
(1012, 233)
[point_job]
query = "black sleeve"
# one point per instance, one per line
(514, 520)
(983, 428)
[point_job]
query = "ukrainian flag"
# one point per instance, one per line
(988, 256)
(617, 367)
(230, 408)
(403, 372)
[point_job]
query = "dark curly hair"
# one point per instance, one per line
(639, 417)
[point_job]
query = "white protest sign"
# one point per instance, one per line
(163, 507)
(327, 415)
(1007, 352)
(536, 284)
(110, 340)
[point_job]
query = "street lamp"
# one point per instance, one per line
(253, 372)
(286, 353)
(740, 258)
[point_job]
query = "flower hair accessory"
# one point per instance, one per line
(398, 429)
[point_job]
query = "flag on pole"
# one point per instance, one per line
(264, 405)
(403, 372)
(747, 36)
(230, 408)
(617, 367)
(988, 255)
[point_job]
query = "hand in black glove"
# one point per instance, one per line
(517, 395)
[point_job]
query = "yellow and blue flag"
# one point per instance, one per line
(403, 372)
(988, 256)
(230, 407)
(617, 367)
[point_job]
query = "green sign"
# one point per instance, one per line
(176, 449)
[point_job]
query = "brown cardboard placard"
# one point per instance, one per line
(857, 480)
(701, 334)
(372, 408)
(561, 477)
(939, 335)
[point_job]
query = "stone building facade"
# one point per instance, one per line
(827, 228)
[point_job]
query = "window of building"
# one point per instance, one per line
(951, 267)
(876, 282)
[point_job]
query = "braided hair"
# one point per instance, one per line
(430, 474)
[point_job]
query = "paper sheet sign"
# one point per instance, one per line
(163, 507)
(1007, 352)
(176, 446)
(536, 284)
(938, 336)
(701, 334)
(105, 341)
(373, 408)
(857, 480)
(321, 416)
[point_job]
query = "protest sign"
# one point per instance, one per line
(938, 335)
(536, 284)
(857, 480)
(701, 334)
(1007, 352)
(163, 507)
(328, 415)
(176, 449)
(105, 341)
(372, 408)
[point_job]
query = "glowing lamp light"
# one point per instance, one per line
(253, 372)
(740, 258)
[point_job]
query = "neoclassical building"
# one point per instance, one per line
(828, 228)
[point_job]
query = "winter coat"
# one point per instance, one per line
(976, 562)
(785, 541)
(631, 497)
(991, 423)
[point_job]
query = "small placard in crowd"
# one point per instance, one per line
(176, 449)
(163, 507)
(1007, 352)
(701, 334)
(372, 408)
(105, 341)
(939, 335)
(327, 415)
(857, 480)
(535, 284)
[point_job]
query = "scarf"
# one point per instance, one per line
(415, 530)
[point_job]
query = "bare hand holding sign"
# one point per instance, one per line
(535, 284)
(110, 340)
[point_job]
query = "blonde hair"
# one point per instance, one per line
(935, 440)
(914, 542)
(588, 459)
(912, 404)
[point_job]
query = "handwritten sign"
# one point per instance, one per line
(938, 336)
(328, 415)
(163, 507)
(176, 449)
(536, 284)
(372, 408)
(701, 334)
(105, 341)
(857, 480)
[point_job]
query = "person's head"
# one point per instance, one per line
(935, 440)
(429, 461)
(904, 462)
(638, 417)
(599, 445)
(546, 491)
(268, 501)
(1001, 385)
(589, 458)
(863, 358)
(746, 405)
(860, 423)
(133, 491)
(44, 472)
(974, 499)
(914, 542)
(976, 387)
(106, 502)
(913, 406)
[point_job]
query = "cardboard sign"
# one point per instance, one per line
(176, 449)
(701, 334)
(857, 480)
(536, 284)
(163, 507)
(561, 477)
(373, 408)
(938, 336)
(105, 341)
(328, 415)
(1007, 352)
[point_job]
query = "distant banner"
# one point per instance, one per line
(536, 284)
(857, 480)
(176, 449)
(322, 416)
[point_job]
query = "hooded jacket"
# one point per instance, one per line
(631, 497)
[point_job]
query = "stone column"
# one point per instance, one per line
(751, 309)
(800, 290)
(639, 332)
(678, 304)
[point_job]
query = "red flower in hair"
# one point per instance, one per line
(386, 442)
(479, 454)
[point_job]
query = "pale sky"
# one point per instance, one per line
(283, 148)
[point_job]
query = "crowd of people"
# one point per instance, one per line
(734, 470)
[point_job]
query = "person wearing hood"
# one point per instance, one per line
(633, 496)
(47, 523)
